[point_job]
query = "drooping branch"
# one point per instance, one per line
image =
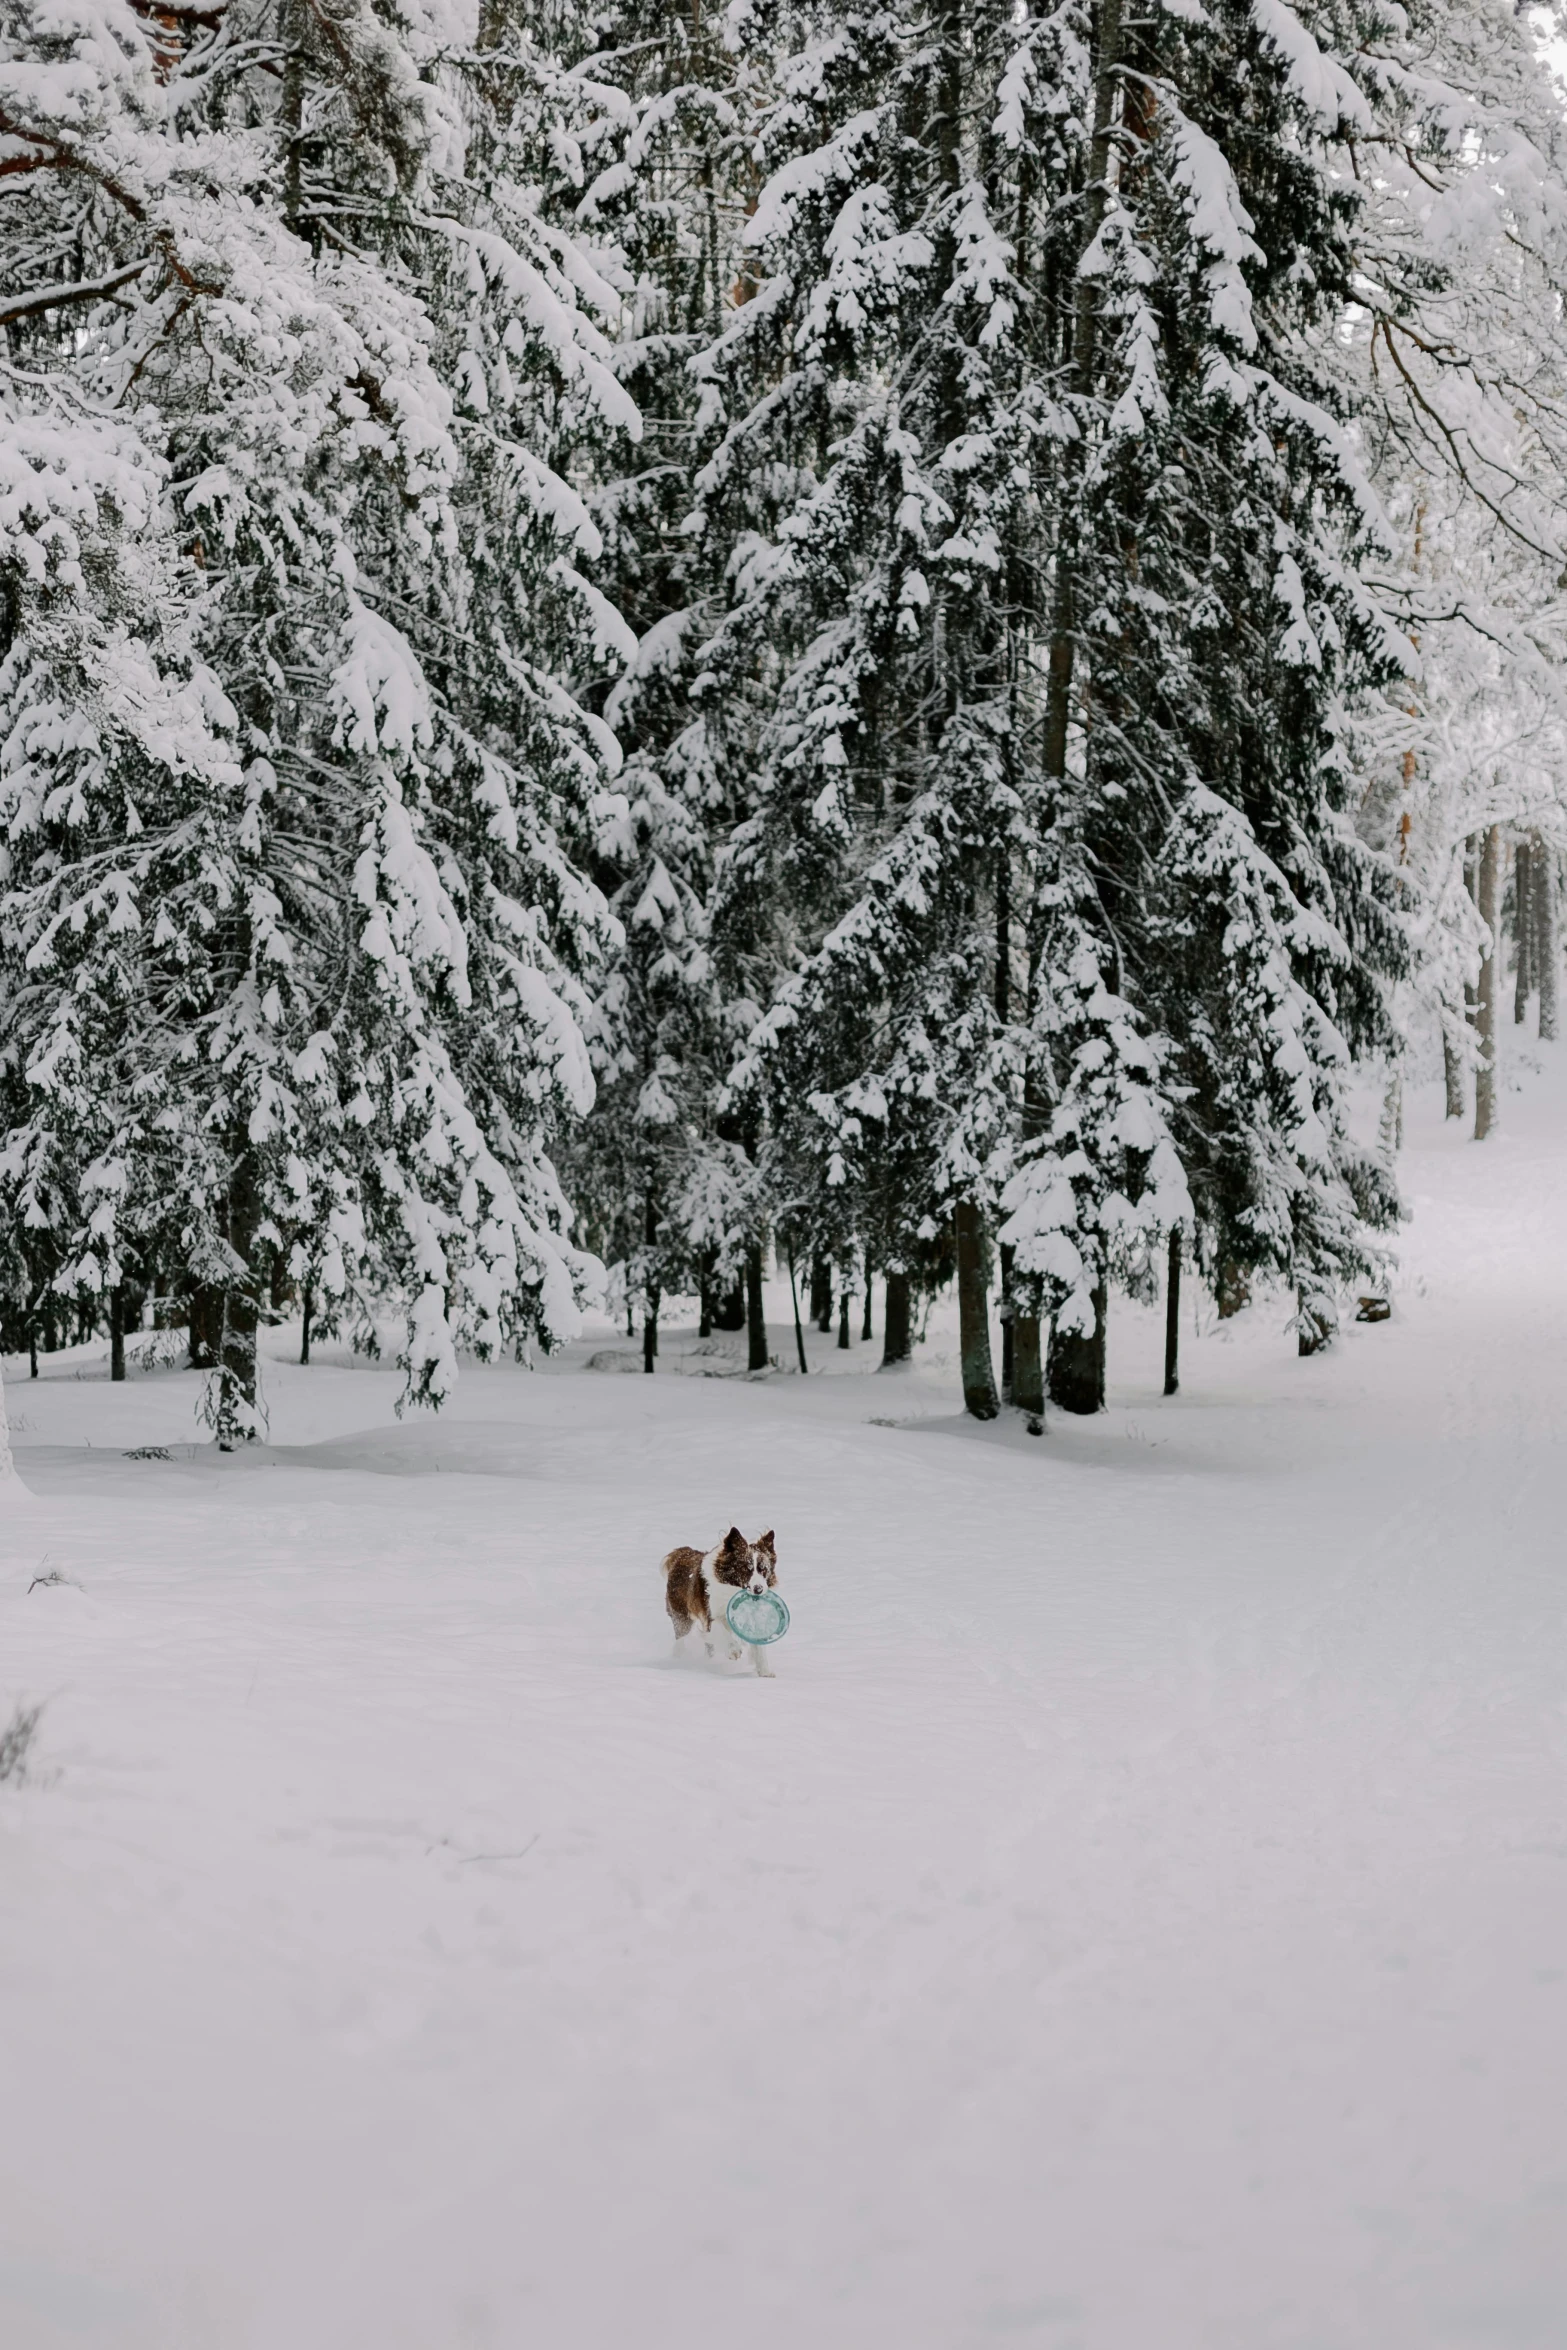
(54, 297)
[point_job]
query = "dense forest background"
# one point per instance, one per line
(639, 639)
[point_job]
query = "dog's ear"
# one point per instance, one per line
(733, 1542)
(765, 1542)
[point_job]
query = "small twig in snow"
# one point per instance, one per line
(527, 1848)
(15, 1739)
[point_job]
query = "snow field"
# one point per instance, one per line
(1133, 1919)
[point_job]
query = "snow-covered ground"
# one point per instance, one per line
(1135, 1918)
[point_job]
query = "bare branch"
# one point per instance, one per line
(83, 290)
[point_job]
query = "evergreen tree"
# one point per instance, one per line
(1456, 371)
(312, 865)
(660, 1175)
(875, 475)
(1210, 631)
(1088, 588)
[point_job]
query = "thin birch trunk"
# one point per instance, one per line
(1008, 1326)
(1391, 1133)
(1453, 1072)
(1490, 900)
(1523, 932)
(1548, 952)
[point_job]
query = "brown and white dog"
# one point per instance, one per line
(698, 1586)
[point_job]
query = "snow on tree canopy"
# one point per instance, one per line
(296, 778)
(881, 633)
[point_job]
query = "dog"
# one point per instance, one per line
(698, 1584)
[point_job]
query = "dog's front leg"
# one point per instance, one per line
(760, 1666)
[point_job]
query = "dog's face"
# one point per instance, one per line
(749, 1566)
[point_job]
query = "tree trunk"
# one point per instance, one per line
(237, 1403)
(843, 1320)
(799, 1334)
(729, 1313)
(1314, 1330)
(821, 1293)
(1523, 933)
(755, 1313)
(979, 1380)
(1107, 89)
(1391, 1130)
(704, 1324)
(1008, 1335)
(205, 1326)
(117, 1333)
(293, 110)
(32, 1350)
(1472, 885)
(1234, 1289)
(650, 1293)
(307, 1310)
(895, 1341)
(1543, 865)
(1453, 1070)
(1490, 894)
(1028, 1365)
(1172, 1318)
(1075, 1374)
(866, 1332)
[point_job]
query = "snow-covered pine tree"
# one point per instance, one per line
(315, 864)
(120, 778)
(1213, 627)
(1094, 1177)
(1456, 369)
(882, 413)
(666, 1198)
(666, 1188)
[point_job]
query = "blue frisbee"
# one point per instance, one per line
(757, 1617)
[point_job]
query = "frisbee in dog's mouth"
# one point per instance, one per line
(757, 1617)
